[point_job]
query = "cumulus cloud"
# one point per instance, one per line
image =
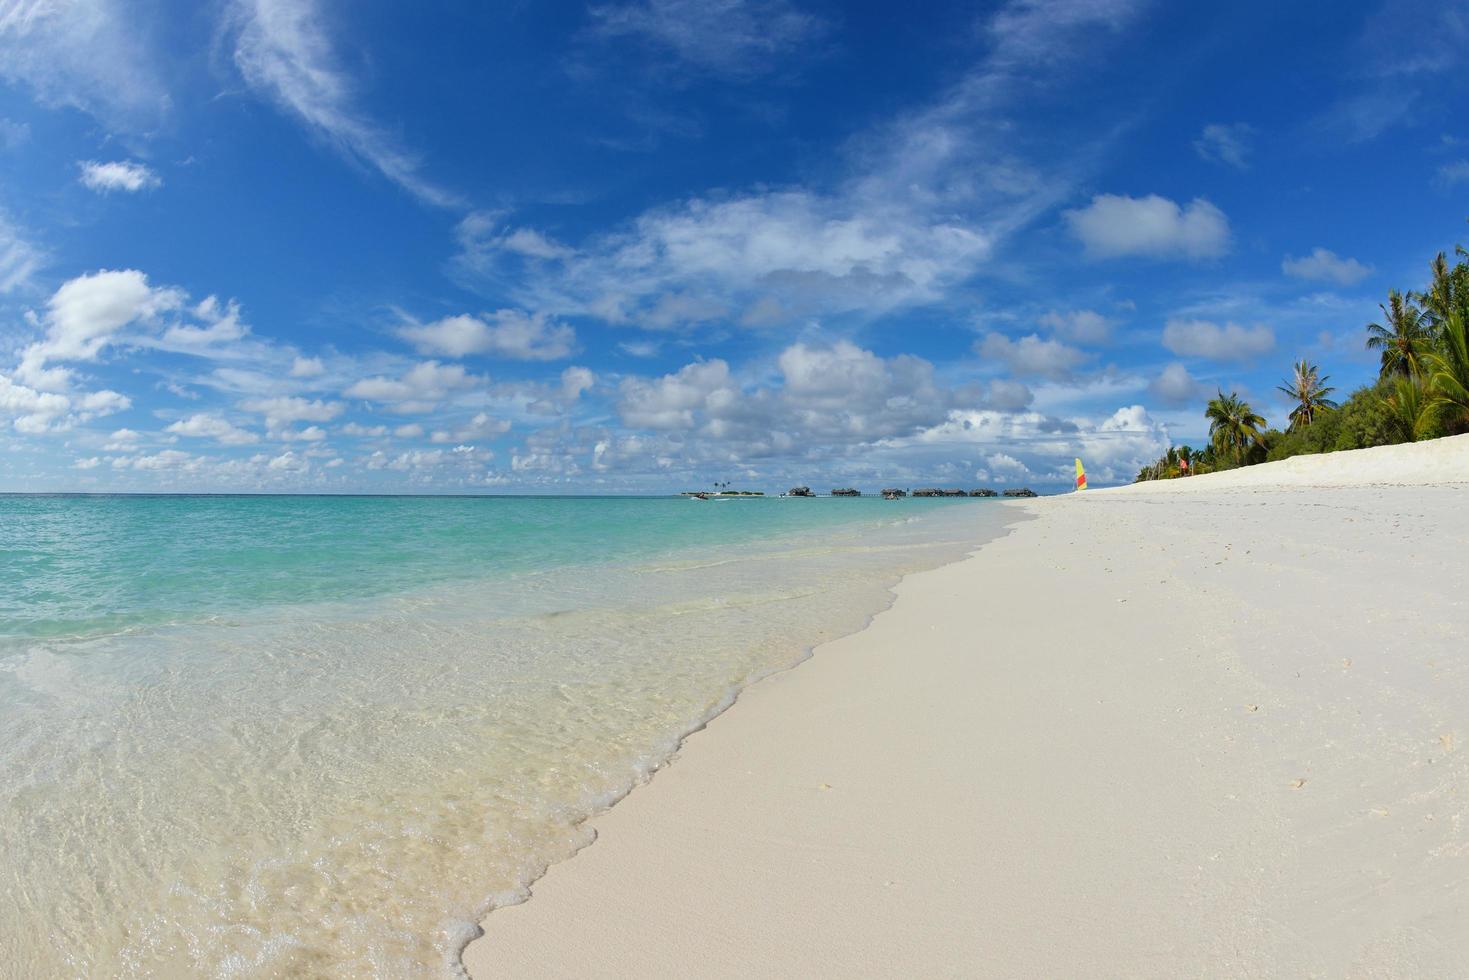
(512, 334)
(119, 175)
(670, 402)
(283, 410)
(830, 396)
(1175, 386)
(1113, 226)
(1226, 144)
(735, 38)
(283, 50)
(83, 317)
(206, 426)
(1324, 264)
(1006, 395)
(482, 426)
(1218, 342)
(307, 367)
(1032, 356)
(419, 389)
(1079, 326)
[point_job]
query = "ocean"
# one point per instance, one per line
(249, 736)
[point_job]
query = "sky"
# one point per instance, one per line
(648, 245)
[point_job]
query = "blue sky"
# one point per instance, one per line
(643, 245)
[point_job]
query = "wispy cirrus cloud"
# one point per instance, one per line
(283, 50)
(918, 208)
(90, 55)
(19, 259)
(1229, 144)
(733, 38)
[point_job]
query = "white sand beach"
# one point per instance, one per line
(1208, 728)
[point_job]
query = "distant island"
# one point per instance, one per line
(706, 494)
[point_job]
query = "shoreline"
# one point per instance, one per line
(1169, 779)
(732, 697)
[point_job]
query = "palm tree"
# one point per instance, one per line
(1308, 390)
(1448, 289)
(1405, 339)
(1233, 425)
(1413, 409)
(1447, 369)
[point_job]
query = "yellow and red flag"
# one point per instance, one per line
(1080, 476)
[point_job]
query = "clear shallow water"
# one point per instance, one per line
(259, 736)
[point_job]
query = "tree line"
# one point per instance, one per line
(1421, 391)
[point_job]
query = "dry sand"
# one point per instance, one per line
(1216, 727)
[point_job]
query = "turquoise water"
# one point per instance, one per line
(265, 736)
(90, 564)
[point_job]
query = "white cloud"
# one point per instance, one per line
(83, 317)
(123, 440)
(1079, 326)
(283, 410)
(1114, 225)
(1453, 173)
(1176, 386)
(90, 463)
(1227, 342)
(697, 260)
(30, 410)
(290, 462)
(1002, 466)
(737, 38)
(221, 326)
(1031, 356)
(205, 426)
(19, 259)
(167, 459)
(283, 50)
(410, 431)
(841, 372)
(505, 333)
(88, 54)
(916, 207)
(364, 431)
(482, 426)
(1323, 264)
(670, 402)
(95, 404)
(1226, 144)
(307, 367)
(120, 175)
(420, 388)
(1036, 35)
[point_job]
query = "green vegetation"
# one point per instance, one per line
(1421, 391)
